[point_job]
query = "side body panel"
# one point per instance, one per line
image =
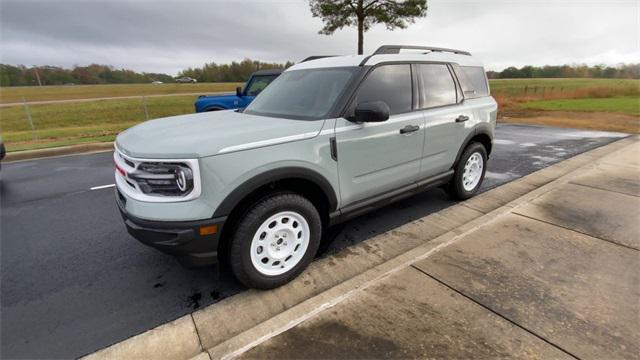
(443, 137)
(375, 157)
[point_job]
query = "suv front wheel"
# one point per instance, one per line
(469, 172)
(275, 241)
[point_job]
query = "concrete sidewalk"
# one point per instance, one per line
(557, 277)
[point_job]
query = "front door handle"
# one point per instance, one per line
(409, 129)
(462, 118)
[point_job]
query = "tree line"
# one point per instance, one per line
(20, 75)
(622, 71)
(234, 72)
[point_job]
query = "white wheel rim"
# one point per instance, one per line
(472, 171)
(280, 243)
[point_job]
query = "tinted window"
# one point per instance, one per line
(259, 83)
(438, 87)
(388, 83)
(302, 94)
(473, 81)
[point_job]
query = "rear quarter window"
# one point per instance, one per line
(473, 81)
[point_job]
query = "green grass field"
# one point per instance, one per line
(516, 87)
(70, 123)
(627, 105)
(44, 93)
(100, 120)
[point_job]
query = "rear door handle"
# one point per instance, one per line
(462, 118)
(409, 129)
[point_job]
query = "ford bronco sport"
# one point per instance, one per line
(328, 140)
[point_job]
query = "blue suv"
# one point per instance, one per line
(256, 83)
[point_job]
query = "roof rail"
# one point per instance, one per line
(316, 57)
(395, 49)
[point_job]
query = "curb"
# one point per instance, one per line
(58, 151)
(226, 329)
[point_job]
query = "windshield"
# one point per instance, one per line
(302, 94)
(258, 83)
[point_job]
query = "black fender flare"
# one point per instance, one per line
(479, 129)
(214, 108)
(238, 194)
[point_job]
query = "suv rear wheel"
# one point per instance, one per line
(469, 172)
(275, 241)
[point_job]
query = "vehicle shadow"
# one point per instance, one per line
(382, 220)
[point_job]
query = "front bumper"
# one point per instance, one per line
(179, 238)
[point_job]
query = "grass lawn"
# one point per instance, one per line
(516, 87)
(69, 123)
(627, 105)
(42, 93)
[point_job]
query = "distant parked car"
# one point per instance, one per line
(157, 82)
(186, 79)
(256, 83)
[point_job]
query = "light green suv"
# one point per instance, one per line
(328, 140)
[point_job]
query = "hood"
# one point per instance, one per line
(210, 133)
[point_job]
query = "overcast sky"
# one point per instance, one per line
(167, 36)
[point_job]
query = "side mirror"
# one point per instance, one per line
(373, 111)
(239, 91)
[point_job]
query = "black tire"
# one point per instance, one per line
(259, 212)
(213, 109)
(456, 189)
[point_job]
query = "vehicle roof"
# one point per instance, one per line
(410, 56)
(269, 72)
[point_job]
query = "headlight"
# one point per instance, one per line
(155, 180)
(170, 179)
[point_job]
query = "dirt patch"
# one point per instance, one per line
(601, 121)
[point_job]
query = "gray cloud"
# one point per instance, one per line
(168, 36)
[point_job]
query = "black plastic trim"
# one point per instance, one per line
(395, 49)
(316, 57)
(479, 129)
(179, 238)
(239, 193)
(334, 148)
(375, 202)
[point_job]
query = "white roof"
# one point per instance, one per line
(355, 60)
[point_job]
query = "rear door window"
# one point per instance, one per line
(391, 84)
(437, 85)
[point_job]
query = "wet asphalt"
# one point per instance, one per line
(73, 281)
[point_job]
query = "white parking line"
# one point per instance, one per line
(102, 187)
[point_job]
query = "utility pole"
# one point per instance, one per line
(37, 76)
